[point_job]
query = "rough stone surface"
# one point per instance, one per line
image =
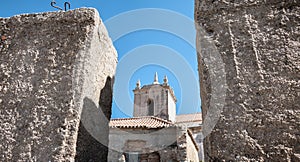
(53, 66)
(258, 44)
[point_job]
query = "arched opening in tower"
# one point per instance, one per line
(150, 106)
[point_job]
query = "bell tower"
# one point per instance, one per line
(155, 100)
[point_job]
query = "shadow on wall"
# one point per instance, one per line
(92, 140)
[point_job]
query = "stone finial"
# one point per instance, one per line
(138, 85)
(155, 79)
(165, 80)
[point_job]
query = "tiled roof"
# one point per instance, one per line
(140, 122)
(185, 118)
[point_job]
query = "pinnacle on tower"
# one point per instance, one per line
(138, 85)
(155, 79)
(165, 80)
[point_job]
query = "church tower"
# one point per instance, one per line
(155, 100)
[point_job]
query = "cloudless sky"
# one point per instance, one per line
(150, 36)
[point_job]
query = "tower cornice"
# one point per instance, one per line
(148, 86)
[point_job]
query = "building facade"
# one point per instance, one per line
(155, 133)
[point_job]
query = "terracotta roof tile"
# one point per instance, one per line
(140, 122)
(183, 118)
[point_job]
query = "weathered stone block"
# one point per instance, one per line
(53, 67)
(251, 49)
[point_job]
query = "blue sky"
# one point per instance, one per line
(150, 36)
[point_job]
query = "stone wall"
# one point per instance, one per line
(171, 144)
(142, 141)
(54, 68)
(252, 50)
(191, 148)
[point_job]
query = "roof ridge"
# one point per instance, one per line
(128, 118)
(140, 122)
(198, 113)
(164, 120)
